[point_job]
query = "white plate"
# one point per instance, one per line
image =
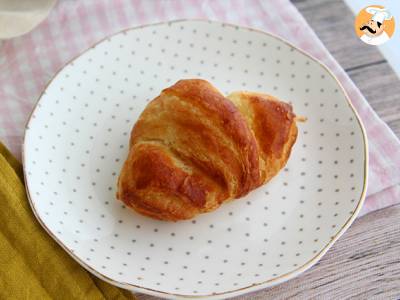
(77, 140)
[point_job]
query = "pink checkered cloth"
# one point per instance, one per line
(27, 63)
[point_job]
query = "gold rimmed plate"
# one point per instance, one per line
(77, 139)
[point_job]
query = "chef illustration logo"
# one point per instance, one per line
(374, 25)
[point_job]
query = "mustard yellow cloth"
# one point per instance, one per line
(32, 264)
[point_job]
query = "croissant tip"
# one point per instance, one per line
(301, 119)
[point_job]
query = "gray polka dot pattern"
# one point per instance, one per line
(77, 141)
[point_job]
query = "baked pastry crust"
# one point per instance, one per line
(193, 149)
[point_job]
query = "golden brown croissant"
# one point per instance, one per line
(193, 149)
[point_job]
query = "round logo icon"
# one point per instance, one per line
(374, 25)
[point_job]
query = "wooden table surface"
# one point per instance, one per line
(365, 262)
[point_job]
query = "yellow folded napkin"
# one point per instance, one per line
(34, 266)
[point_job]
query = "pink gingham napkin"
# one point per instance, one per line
(27, 63)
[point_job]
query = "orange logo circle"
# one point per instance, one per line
(374, 25)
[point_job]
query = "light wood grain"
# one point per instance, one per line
(382, 90)
(365, 262)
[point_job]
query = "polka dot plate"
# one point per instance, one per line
(77, 139)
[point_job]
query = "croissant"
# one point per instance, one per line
(193, 149)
